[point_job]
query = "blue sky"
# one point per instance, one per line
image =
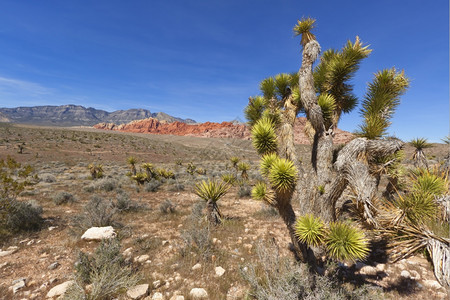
(203, 59)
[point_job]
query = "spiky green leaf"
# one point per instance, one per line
(345, 242)
(283, 175)
(310, 230)
(263, 136)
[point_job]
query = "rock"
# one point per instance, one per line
(60, 289)
(235, 293)
(8, 251)
(53, 266)
(98, 233)
(138, 292)
(432, 284)
(415, 275)
(198, 293)
(368, 270)
(248, 247)
(405, 274)
(359, 265)
(156, 284)
(18, 284)
(157, 296)
(177, 297)
(210, 129)
(141, 258)
(127, 252)
(196, 267)
(219, 271)
(381, 267)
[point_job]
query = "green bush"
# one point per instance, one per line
(63, 198)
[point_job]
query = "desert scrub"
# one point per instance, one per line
(197, 235)
(22, 216)
(106, 272)
(123, 202)
(167, 207)
(63, 197)
(152, 186)
(275, 277)
(96, 213)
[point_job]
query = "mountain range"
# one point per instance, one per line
(76, 115)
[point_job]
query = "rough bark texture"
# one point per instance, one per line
(214, 217)
(302, 251)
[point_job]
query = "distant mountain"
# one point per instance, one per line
(76, 115)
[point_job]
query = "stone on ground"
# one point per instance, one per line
(98, 233)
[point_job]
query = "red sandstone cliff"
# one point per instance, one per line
(210, 129)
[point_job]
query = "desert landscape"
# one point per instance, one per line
(224, 150)
(164, 238)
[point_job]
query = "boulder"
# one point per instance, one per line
(98, 233)
(138, 291)
(198, 293)
(60, 289)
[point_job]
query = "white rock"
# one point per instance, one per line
(432, 284)
(177, 297)
(219, 271)
(368, 270)
(381, 267)
(138, 292)
(196, 267)
(198, 293)
(98, 233)
(60, 289)
(156, 284)
(8, 251)
(127, 252)
(405, 274)
(141, 258)
(18, 284)
(157, 296)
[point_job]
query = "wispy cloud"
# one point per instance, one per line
(13, 86)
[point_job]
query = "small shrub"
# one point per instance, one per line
(97, 213)
(24, 216)
(152, 186)
(46, 177)
(106, 272)
(106, 184)
(244, 191)
(124, 203)
(63, 198)
(167, 207)
(89, 188)
(176, 187)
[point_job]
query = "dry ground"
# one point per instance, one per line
(61, 156)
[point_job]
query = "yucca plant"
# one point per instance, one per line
(190, 168)
(446, 140)
(228, 178)
(263, 193)
(345, 242)
(234, 161)
(310, 230)
(96, 170)
(283, 175)
(211, 191)
(266, 163)
(141, 178)
(149, 169)
(132, 161)
(419, 157)
(263, 136)
(304, 28)
(243, 167)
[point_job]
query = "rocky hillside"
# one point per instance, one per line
(209, 129)
(76, 115)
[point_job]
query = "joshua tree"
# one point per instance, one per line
(323, 94)
(132, 161)
(211, 191)
(419, 156)
(243, 167)
(149, 169)
(234, 161)
(96, 171)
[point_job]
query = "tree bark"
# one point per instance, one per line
(214, 216)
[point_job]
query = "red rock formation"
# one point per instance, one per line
(210, 129)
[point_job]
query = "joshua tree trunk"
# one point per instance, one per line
(214, 216)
